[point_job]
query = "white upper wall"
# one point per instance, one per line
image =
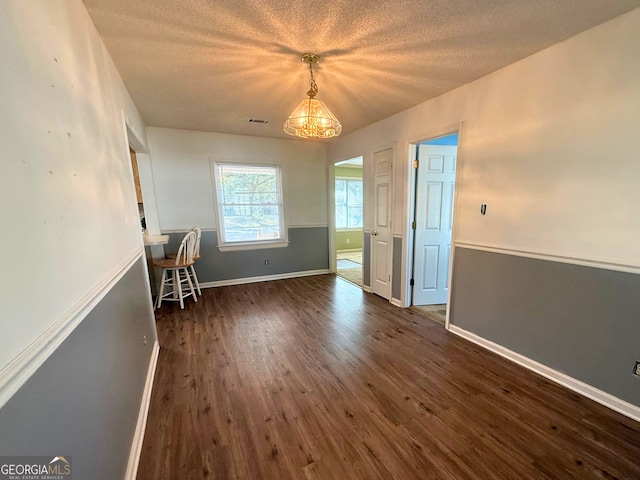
(181, 160)
(549, 143)
(69, 216)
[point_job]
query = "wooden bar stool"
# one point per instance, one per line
(196, 256)
(175, 272)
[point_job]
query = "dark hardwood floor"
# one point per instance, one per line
(311, 378)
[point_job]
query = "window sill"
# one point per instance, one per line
(358, 229)
(253, 246)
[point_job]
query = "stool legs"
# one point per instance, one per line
(178, 284)
(195, 279)
(174, 278)
(161, 293)
(193, 292)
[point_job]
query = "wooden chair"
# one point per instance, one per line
(196, 256)
(175, 272)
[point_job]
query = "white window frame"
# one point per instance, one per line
(224, 246)
(356, 229)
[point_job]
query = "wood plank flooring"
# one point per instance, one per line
(312, 378)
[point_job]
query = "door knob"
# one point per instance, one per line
(374, 233)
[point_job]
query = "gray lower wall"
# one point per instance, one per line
(582, 321)
(308, 249)
(84, 400)
(366, 259)
(396, 268)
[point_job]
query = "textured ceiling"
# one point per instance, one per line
(212, 64)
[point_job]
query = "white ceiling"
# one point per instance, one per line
(212, 64)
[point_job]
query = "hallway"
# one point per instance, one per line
(349, 266)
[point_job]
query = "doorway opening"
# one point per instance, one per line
(136, 181)
(348, 205)
(435, 180)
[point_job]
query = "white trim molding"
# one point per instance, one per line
(311, 225)
(16, 373)
(167, 231)
(141, 424)
(552, 258)
(263, 278)
(349, 250)
(397, 302)
(589, 391)
(229, 247)
(213, 229)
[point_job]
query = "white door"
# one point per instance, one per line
(436, 177)
(381, 233)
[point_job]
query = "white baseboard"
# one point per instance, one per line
(595, 394)
(397, 302)
(19, 370)
(263, 278)
(350, 250)
(367, 288)
(141, 425)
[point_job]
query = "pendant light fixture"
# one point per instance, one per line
(312, 118)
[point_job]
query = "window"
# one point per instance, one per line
(348, 203)
(249, 205)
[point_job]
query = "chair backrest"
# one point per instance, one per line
(198, 233)
(187, 248)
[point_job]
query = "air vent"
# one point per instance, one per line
(258, 121)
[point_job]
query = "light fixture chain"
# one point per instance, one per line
(313, 91)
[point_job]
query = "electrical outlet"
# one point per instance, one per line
(636, 369)
(266, 262)
(144, 340)
(348, 240)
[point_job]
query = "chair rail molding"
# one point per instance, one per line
(15, 374)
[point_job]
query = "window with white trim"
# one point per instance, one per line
(348, 199)
(249, 201)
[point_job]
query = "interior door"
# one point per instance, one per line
(436, 179)
(381, 233)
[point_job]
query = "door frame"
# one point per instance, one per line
(408, 253)
(434, 264)
(370, 199)
(331, 206)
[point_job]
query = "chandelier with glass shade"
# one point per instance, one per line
(312, 118)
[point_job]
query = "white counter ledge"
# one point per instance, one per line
(155, 240)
